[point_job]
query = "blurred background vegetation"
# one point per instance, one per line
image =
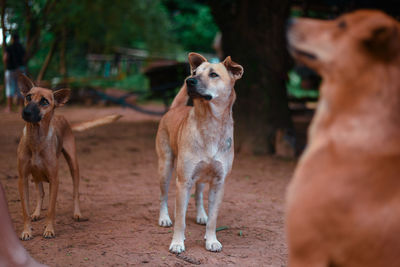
(66, 32)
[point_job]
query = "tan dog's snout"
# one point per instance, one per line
(194, 89)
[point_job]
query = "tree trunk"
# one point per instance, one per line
(47, 61)
(3, 26)
(253, 33)
(63, 61)
(3, 46)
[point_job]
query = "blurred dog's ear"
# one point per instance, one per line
(61, 97)
(195, 60)
(24, 84)
(233, 68)
(384, 41)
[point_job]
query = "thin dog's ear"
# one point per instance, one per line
(61, 96)
(384, 41)
(233, 68)
(195, 60)
(24, 84)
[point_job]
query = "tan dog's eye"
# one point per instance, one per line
(44, 102)
(28, 98)
(194, 73)
(213, 75)
(342, 24)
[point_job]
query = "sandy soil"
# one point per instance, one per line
(119, 194)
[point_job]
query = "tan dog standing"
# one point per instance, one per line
(343, 202)
(200, 139)
(45, 137)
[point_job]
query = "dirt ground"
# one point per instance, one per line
(120, 192)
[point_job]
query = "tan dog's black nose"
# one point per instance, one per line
(191, 82)
(31, 113)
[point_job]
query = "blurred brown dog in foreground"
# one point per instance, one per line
(200, 138)
(343, 202)
(44, 138)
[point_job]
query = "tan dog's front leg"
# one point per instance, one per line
(49, 230)
(182, 199)
(39, 201)
(165, 166)
(201, 215)
(215, 196)
(24, 194)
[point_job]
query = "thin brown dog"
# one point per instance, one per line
(200, 138)
(343, 202)
(44, 138)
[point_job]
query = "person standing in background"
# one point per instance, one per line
(14, 62)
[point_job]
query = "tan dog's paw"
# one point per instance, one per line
(79, 218)
(164, 221)
(177, 247)
(201, 219)
(26, 235)
(214, 246)
(49, 232)
(35, 217)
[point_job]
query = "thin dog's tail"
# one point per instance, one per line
(181, 99)
(82, 126)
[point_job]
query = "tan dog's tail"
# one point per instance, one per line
(80, 127)
(181, 99)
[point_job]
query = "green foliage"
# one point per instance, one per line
(100, 26)
(295, 88)
(193, 24)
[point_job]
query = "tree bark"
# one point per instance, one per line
(3, 46)
(3, 26)
(253, 34)
(63, 48)
(47, 61)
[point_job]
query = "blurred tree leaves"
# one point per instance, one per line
(98, 26)
(193, 24)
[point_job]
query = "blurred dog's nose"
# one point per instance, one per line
(26, 113)
(191, 81)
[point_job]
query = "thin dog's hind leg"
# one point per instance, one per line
(201, 215)
(69, 151)
(39, 201)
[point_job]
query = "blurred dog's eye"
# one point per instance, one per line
(28, 98)
(44, 102)
(342, 24)
(213, 75)
(194, 73)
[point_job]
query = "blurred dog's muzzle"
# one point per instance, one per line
(293, 38)
(31, 113)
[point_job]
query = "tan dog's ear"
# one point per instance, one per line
(61, 96)
(24, 84)
(384, 41)
(195, 60)
(235, 69)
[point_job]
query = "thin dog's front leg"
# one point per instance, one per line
(201, 215)
(215, 196)
(49, 230)
(39, 201)
(24, 194)
(182, 199)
